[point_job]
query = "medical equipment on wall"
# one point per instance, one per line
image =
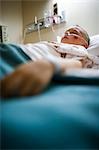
(39, 33)
(3, 34)
(48, 21)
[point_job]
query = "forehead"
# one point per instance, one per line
(74, 29)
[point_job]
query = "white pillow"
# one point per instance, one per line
(94, 45)
(94, 40)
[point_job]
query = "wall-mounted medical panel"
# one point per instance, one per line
(46, 22)
(3, 34)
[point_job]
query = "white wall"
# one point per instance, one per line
(82, 12)
(12, 17)
(0, 14)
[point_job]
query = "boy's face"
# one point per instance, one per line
(75, 36)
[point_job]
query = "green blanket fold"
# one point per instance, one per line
(11, 56)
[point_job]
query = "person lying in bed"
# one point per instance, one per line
(73, 44)
(33, 77)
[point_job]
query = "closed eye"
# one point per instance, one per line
(75, 37)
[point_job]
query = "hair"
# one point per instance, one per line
(84, 33)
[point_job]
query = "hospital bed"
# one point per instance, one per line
(65, 116)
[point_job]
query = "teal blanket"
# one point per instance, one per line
(65, 116)
(10, 57)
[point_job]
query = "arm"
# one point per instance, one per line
(32, 78)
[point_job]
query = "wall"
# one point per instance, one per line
(82, 12)
(12, 17)
(0, 14)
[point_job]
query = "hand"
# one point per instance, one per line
(28, 79)
(33, 78)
